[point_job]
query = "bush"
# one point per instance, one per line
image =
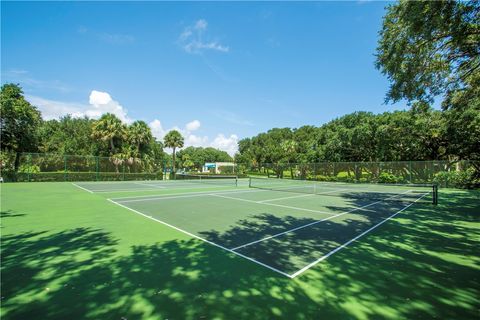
(85, 176)
(25, 168)
(386, 177)
(457, 179)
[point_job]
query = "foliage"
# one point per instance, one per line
(199, 155)
(25, 168)
(19, 121)
(386, 177)
(110, 129)
(68, 135)
(458, 179)
(173, 139)
(428, 48)
(417, 134)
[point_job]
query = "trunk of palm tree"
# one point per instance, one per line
(112, 146)
(173, 165)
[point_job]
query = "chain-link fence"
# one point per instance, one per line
(444, 173)
(56, 167)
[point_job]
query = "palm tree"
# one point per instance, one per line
(109, 128)
(173, 139)
(139, 135)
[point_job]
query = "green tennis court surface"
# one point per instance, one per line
(220, 249)
(286, 226)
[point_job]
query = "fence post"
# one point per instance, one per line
(29, 164)
(410, 171)
(123, 171)
(96, 168)
(65, 168)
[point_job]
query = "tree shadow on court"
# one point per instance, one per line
(78, 274)
(429, 264)
(10, 214)
(423, 264)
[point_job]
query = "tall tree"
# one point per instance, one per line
(139, 135)
(429, 48)
(19, 121)
(173, 139)
(67, 135)
(109, 129)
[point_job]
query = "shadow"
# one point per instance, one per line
(77, 274)
(10, 214)
(422, 264)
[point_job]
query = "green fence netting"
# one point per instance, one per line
(55, 167)
(444, 173)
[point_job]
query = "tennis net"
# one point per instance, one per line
(355, 191)
(212, 179)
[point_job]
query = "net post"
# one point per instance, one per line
(236, 181)
(250, 182)
(435, 194)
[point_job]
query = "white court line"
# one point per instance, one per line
(76, 185)
(269, 204)
(304, 195)
(182, 195)
(205, 240)
(174, 188)
(352, 240)
(151, 185)
(315, 222)
(283, 198)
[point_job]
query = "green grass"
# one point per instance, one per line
(70, 254)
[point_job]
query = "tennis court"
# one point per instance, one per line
(287, 226)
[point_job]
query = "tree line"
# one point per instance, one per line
(24, 130)
(428, 50)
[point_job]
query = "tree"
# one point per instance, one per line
(429, 48)
(187, 162)
(173, 139)
(67, 135)
(109, 129)
(19, 121)
(139, 136)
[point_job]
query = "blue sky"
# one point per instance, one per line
(219, 72)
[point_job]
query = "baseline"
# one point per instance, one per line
(202, 239)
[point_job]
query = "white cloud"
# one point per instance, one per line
(27, 81)
(191, 39)
(52, 109)
(193, 125)
(201, 24)
(157, 129)
(99, 103)
(229, 144)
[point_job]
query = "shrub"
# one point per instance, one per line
(386, 177)
(26, 168)
(457, 179)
